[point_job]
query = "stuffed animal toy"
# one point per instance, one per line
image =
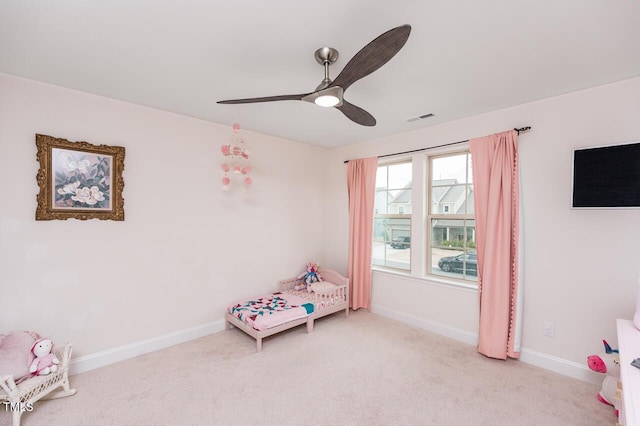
(310, 276)
(609, 364)
(45, 362)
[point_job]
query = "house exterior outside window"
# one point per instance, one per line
(450, 218)
(392, 216)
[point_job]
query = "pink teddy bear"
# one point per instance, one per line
(45, 361)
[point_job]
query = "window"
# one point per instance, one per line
(450, 218)
(442, 217)
(392, 217)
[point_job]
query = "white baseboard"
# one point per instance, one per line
(121, 353)
(438, 328)
(561, 365)
(539, 359)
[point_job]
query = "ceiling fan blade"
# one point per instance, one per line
(264, 99)
(373, 56)
(356, 114)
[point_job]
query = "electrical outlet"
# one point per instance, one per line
(549, 328)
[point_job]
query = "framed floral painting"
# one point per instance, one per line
(79, 180)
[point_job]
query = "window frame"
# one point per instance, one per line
(420, 224)
(391, 216)
(430, 216)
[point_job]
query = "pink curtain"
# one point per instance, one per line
(496, 195)
(361, 187)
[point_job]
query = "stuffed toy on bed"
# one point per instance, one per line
(310, 276)
(609, 364)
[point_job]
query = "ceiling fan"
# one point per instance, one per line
(331, 93)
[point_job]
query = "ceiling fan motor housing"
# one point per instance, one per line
(326, 55)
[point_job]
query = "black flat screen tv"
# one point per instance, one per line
(607, 177)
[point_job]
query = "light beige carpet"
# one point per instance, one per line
(364, 370)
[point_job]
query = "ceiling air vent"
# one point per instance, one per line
(420, 117)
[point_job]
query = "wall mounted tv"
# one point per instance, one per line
(607, 177)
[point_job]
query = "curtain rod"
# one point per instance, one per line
(521, 129)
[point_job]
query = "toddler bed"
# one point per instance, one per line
(267, 315)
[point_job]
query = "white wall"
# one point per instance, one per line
(581, 267)
(185, 249)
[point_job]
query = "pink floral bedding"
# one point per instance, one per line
(271, 310)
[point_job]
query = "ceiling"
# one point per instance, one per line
(462, 58)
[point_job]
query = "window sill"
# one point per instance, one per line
(429, 279)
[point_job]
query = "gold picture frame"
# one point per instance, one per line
(79, 180)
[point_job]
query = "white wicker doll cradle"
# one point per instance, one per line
(19, 398)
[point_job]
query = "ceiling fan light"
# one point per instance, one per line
(327, 100)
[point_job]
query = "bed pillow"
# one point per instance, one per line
(15, 353)
(322, 286)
